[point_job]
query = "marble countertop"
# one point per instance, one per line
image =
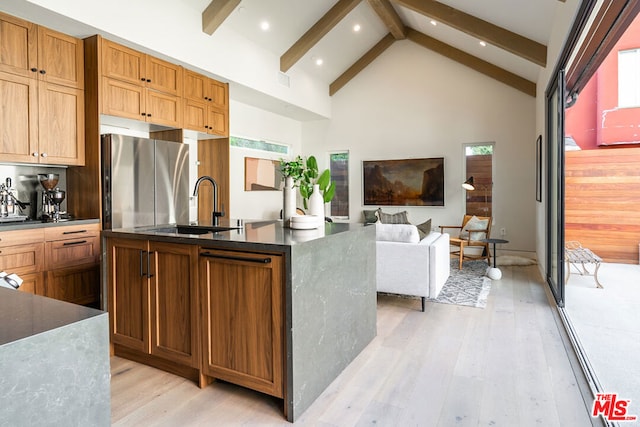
(23, 315)
(257, 232)
(8, 226)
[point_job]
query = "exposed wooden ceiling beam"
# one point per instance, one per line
(361, 63)
(473, 62)
(389, 17)
(486, 31)
(316, 32)
(216, 13)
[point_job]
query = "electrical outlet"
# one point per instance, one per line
(503, 231)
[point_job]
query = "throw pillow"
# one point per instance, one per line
(405, 233)
(475, 223)
(370, 216)
(397, 218)
(424, 229)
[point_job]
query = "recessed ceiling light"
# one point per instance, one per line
(264, 25)
(433, 22)
(356, 28)
(319, 61)
(483, 44)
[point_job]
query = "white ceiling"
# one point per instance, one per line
(341, 47)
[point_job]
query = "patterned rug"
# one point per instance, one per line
(468, 286)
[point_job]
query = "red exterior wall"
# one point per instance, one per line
(595, 119)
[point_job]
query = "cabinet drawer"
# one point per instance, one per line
(77, 251)
(78, 285)
(22, 259)
(71, 232)
(21, 237)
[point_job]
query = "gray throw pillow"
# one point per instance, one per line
(370, 216)
(397, 218)
(424, 229)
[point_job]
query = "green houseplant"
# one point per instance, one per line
(310, 176)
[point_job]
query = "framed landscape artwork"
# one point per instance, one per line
(409, 182)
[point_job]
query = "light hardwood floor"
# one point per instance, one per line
(504, 365)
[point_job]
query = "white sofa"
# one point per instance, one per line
(408, 265)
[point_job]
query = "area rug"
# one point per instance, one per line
(469, 286)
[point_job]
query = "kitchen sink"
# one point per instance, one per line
(192, 229)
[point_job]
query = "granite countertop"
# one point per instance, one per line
(23, 315)
(8, 226)
(258, 232)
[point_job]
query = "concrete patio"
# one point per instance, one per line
(607, 323)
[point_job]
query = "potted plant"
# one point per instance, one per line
(310, 178)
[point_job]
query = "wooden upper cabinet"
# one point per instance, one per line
(121, 63)
(163, 76)
(60, 58)
(219, 94)
(18, 46)
(38, 52)
(206, 104)
(19, 123)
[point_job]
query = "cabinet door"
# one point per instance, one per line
(32, 283)
(61, 123)
(174, 302)
(163, 109)
(163, 76)
(18, 46)
(22, 259)
(218, 122)
(60, 58)
(19, 122)
(78, 285)
(218, 94)
(195, 115)
(195, 86)
(128, 293)
(242, 306)
(124, 64)
(123, 99)
(68, 253)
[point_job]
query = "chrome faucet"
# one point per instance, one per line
(215, 214)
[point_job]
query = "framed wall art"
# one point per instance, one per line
(408, 182)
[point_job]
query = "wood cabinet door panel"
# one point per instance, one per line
(61, 123)
(67, 253)
(163, 109)
(32, 283)
(121, 63)
(78, 285)
(18, 46)
(21, 237)
(123, 99)
(243, 319)
(18, 122)
(195, 86)
(128, 294)
(218, 122)
(195, 115)
(174, 307)
(163, 76)
(218, 92)
(71, 232)
(60, 58)
(22, 259)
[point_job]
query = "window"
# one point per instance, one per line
(339, 168)
(628, 80)
(272, 147)
(479, 165)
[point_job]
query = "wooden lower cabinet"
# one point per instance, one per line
(78, 285)
(32, 283)
(153, 298)
(242, 308)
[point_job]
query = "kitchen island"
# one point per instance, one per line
(54, 362)
(277, 310)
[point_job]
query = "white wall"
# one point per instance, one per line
(412, 103)
(563, 20)
(254, 123)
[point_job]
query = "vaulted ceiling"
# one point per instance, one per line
(503, 39)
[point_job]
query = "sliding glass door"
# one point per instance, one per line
(555, 188)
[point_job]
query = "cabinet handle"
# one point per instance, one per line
(148, 115)
(79, 242)
(149, 275)
(142, 273)
(142, 79)
(144, 114)
(34, 70)
(43, 71)
(237, 258)
(74, 232)
(34, 154)
(44, 154)
(148, 80)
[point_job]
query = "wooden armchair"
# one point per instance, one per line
(470, 238)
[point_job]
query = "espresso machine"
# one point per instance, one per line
(10, 206)
(52, 198)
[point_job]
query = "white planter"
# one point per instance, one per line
(316, 204)
(288, 201)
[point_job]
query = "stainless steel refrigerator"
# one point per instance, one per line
(144, 182)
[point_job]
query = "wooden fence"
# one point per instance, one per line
(602, 202)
